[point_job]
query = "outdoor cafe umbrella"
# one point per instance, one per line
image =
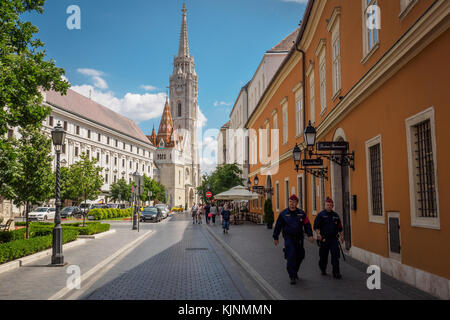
(237, 193)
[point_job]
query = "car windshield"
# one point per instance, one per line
(52, 209)
(67, 209)
(150, 210)
(41, 210)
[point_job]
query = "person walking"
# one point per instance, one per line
(199, 214)
(194, 214)
(226, 218)
(329, 232)
(293, 223)
(207, 211)
(213, 212)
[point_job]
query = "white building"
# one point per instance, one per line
(116, 141)
(235, 142)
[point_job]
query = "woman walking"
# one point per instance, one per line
(199, 214)
(213, 213)
(226, 218)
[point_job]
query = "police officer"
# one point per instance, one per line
(328, 226)
(292, 222)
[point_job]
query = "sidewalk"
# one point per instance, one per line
(254, 244)
(38, 281)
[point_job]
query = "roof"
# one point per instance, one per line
(165, 126)
(287, 43)
(88, 109)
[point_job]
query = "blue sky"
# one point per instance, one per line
(124, 51)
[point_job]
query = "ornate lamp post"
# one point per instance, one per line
(256, 180)
(310, 135)
(297, 153)
(58, 137)
(136, 182)
(249, 184)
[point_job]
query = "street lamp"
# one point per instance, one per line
(297, 156)
(136, 181)
(58, 137)
(256, 180)
(249, 184)
(310, 135)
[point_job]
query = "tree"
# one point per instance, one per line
(33, 178)
(23, 72)
(86, 180)
(268, 213)
(122, 188)
(158, 190)
(225, 177)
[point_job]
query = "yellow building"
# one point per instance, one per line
(374, 74)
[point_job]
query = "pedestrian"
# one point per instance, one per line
(199, 214)
(293, 223)
(226, 218)
(213, 213)
(207, 211)
(329, 232)
(194, 214)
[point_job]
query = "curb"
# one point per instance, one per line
(263, 284)
(98, 235)
(31, 258)
(104, 266)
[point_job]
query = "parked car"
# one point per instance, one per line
(85, 207)
(70, 212)
(151, 214)
(116, 205)
(42, 213)
(164, 209)
(99, 206)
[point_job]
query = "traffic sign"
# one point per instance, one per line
(312, 162)
(208, 194)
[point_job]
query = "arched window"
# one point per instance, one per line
(179, 110)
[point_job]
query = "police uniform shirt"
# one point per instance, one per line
(292, 223)
(328, 223)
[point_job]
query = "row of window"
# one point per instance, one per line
(105, 139)
(421, 146)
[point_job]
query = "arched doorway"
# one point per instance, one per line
(269, 186)
(340, 187)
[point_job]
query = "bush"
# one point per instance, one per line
(24, 247)
(7, 236)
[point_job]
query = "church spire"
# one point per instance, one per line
(183, 50)
(165, 127)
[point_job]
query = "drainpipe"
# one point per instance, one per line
(305, 188)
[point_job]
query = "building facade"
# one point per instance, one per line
(372, 74)
(177, 155)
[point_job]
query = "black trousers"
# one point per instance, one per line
(213, 218)
(329, 246)
(294, 253)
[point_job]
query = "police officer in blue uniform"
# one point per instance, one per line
(328, 227)
(292, 222)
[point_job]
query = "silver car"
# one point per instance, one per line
(164, 209)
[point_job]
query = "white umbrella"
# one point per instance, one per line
(237, 193)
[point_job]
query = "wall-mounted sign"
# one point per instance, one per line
(312, 162)
(332, 145)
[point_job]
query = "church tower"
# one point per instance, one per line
(184, 92)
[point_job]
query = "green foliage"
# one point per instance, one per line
(158, 190)
(23, 72)
(225, 177)
(268, 212)
(24, 247)
(122, 188)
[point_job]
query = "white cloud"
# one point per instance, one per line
(138, 107)
(221, 103)
(201, 119)
(148, 87)
(95, 75)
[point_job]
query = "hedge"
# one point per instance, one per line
(91, 227)
(24, 247)
(104, 214)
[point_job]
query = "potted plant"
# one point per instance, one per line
(268, 213)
